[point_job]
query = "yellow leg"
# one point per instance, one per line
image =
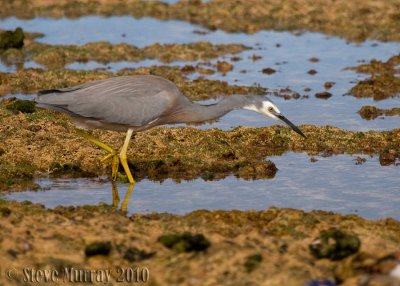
(113, 153)
(95, 141)
(123, 157)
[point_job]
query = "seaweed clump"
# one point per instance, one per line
(98, 248)
(185, 242)
(384, 81)
(12, 39)
(24, 106)
(371, 112)
(334, 244)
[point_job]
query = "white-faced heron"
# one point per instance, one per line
(136, 103)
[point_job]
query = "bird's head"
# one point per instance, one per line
(266, 107)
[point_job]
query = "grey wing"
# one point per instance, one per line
(133, 101)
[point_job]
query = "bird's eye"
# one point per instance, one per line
(270, 109)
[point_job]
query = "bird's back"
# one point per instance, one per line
(125, 100)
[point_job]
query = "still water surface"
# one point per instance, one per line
(332, 184)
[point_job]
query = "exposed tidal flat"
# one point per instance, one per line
(234, 202)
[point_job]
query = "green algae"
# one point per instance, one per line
(185, 242)
(334, 244)
(11, 39)
(98, 248)
(369, 20)
(252, 262)
(24, 106)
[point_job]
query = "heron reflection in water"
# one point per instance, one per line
(115, 197)
(136, 103)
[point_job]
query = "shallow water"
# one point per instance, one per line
(332, 184)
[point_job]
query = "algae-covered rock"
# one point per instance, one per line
(389, 157)
(384, 81)
(185, 242)
(252, 262)
(368, 112)
(98, 248)
(371, 112)
(323, 95)
(5, 211)
(24, 106)
(334, 245)
(12, 39)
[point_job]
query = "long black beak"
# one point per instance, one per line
(287, 121)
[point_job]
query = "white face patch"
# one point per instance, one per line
(267, 108)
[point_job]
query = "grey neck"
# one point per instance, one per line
(195, 112)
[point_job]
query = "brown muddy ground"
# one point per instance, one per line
(270, 247)
(355, 20)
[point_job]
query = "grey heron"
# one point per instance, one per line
(136, 103)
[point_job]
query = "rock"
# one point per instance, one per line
(328, 84)
(98, 248)
(268, 71)
(368, 112)
(252, 262)
(224, 66)
(360, 160)
(5, 212)
(388, 158)
(185, 242)
(323, 95)
(24, 106)
(312, 72)
(10, 39)
(334, 245)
